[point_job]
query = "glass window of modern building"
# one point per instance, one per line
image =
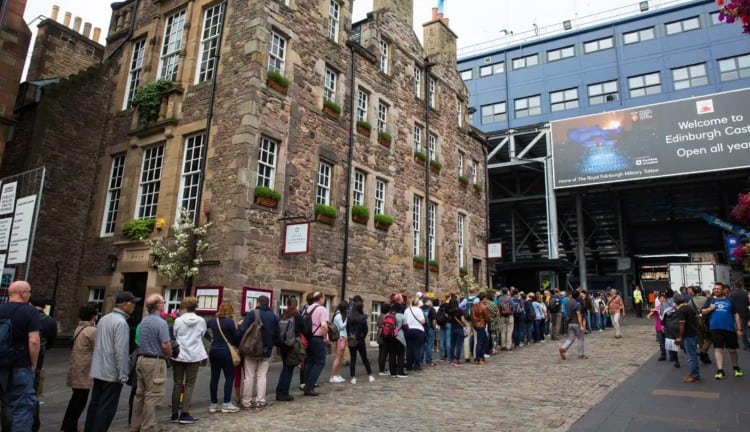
(674, 27)
(733, 68)
(561, 53)
(492, 69)
(494, 113)
(467, 74)
(528, 106)
(689, 76)
(526, 61)
(598, 45)
(563, 99)
(638, 36)
(603, 92)
(643, 85)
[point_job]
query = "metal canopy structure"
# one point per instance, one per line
(595, 227)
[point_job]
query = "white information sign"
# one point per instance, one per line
(296, 238)
(19, 235)
(494, 250)
(5, 232)
(8, 198)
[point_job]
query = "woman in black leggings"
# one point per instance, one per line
(356, 327)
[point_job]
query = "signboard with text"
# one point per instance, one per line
(688, 136)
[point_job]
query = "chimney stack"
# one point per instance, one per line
(55, 11)
(77, 24)
(403, 9)
(97, 33)
(66, 20)
(438, 38)
(87, 29)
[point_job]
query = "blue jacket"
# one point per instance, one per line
(270, 328)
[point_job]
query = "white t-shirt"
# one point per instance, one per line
(413, 314)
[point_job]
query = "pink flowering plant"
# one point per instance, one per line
(741, 213)
(171, 316)
(735, 10)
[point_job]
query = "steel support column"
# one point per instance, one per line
(581, 249)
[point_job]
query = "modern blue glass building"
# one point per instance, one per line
(595, 235)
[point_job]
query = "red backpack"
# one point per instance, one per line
(389, 329)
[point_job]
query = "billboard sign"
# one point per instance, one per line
(688, 136)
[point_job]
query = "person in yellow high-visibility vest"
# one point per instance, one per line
(638, 301)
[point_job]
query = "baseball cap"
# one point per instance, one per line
(126, 296)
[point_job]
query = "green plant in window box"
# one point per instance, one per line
(138, 229)
(418, 261)
(434, 265)
(385, 138)
(435, 165)
(477, 187)
(463, 180)
(147, 100)
(383, 221)
(266, 196)
(364, 127)
(325, 213)
(463, 271)
(360, 213)
(419, 156)
(331, 108)
(277, 81)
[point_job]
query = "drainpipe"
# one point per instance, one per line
(427, 67)
(349, 167)
(209, 117)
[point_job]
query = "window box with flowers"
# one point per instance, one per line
(417, 261)
(331, 109)
(435, 166)
(434, 266)
(138, 229)
(477, 188)
(364, 128)
(266, 197)
(277, 81)
(325, 213)
(147, 100)
(383, 221)
(384, 138)
(360, 214)
(463, 271)
(463, 180)
(420, 157)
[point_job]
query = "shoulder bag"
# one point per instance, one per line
(233, 350)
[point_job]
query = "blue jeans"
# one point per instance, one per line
(597, 321)
(518, 330)
(538, 330)
(662, 348)
(316, 357)
(445, 341)
(19, 396)
(457, 344)
(529, 335)
(414, 342)
(588, 321)
(481, 342)
(285, 377)
(691, 348)
(103, 405)
(429, 341)
(221, 361)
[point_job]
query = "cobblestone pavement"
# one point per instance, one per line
(529, 389)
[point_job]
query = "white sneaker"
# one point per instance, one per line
(214, 407)
(383, 373)
(333, 380)
(230, 408)
(371, 378)
(354, 380)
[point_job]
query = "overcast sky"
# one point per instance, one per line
(474, 21)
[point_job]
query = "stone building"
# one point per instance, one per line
(14, 42)
(227, 127)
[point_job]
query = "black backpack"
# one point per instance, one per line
(8, 351)
(442, 315)
(671, 324)
(307, 324)
(555, 304)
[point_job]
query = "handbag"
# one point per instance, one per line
(236, 359)
(352, 341)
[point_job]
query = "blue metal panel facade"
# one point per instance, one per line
(699, 40)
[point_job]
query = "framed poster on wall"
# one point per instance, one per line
(250, 298)
(209, 299)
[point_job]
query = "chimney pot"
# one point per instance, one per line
(55, 11)
(77, 24)
(446, 21)
(86, 29)
(66, 20)
(434, 13)
(97, 33)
